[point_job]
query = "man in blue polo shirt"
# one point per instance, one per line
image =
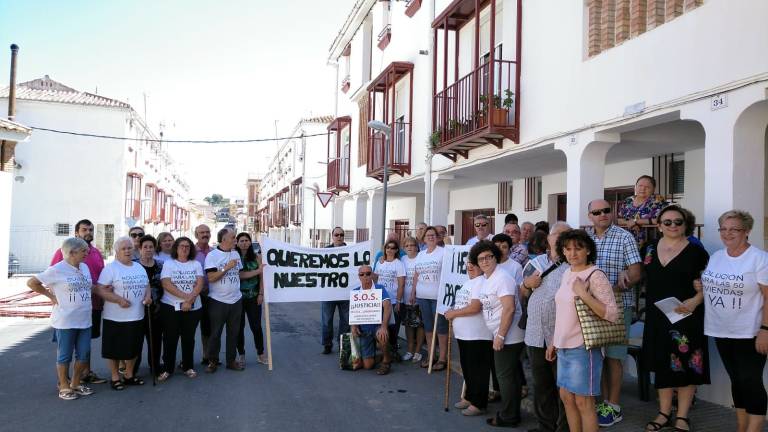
(369, 334)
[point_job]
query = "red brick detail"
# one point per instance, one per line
(622, 21)
(674, 9)
(692, 4)
(594, 8)
(608, 25)
(412, 7)
(655, 14)
(637, 12)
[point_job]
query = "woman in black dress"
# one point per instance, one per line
(677, 353)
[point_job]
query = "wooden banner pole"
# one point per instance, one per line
(448, 368)
(432, 345)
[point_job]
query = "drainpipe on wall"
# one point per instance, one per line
(429, 154)
(12, 88)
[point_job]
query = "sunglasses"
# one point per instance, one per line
(339, 235)
(136, 235)
(598, 212)
(478, 225)
(669, 222)
(391, 248)
(361, 274)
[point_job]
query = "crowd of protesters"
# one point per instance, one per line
(519, 302)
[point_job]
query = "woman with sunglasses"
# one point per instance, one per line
(426, 279)
(677, 353)
(391, 274)
(411, 316)
(735, 284)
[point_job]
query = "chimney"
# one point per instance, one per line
(12, 88)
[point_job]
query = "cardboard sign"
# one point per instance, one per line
(452, 277)
(365, 306)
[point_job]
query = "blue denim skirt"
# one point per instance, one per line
(578, 370)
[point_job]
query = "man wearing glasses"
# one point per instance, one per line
(136, 233)
(369, 334)
(618, 257)
(518, 251)
(482, 230)
(329, 307)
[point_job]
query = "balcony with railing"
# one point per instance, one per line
(337, 176)
(399, 157)
(384, 102)
(482, 106)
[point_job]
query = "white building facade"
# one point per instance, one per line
(288, 208)
(574, 102)
(11, 135)
(62, 178)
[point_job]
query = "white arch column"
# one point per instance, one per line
(734, 160)
(586, 172)
(374, 207)
(440, 200)
(361, 207)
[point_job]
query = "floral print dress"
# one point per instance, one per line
(649, 209)
(678, 352)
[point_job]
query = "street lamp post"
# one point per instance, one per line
(383, 128)
(314, 189)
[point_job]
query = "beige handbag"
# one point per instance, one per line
(598, 332)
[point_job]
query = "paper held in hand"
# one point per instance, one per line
(668, 305)
(365, 307)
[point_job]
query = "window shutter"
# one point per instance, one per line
(505, 197)
(362, 152)
(533, 193)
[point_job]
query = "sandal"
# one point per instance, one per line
(425, 362)
(686, 420)
(653, 426)
(497, 421)
(68, 394)
(163, 376)
(190, 373)
(82, 390)
(133, 381)
(439, 365)
(384, 368)
(117, 385)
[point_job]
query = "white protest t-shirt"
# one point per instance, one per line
(733, 302)
(183, 275)
(129, 282)
(470, 327)
(226, 289)
(514, 269)
(388, 272)
(428, 266)
(500, 284)
(410, 269)
(72, 288)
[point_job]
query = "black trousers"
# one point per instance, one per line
(745, 369)
(222, 314)
(509, 380)
(476, 357)
(178, 324)
(547, 405)
(392, 332)
(154, 343)
(251, 310)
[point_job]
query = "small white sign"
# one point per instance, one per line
(719, 101)
(572, 140)
(365, 306)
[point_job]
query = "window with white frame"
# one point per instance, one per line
(62, 229)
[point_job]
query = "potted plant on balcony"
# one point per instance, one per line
(501, 108)
(434, 138)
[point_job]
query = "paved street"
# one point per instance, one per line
(305, 391)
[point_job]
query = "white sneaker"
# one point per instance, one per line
(416, 358)
(407, 356)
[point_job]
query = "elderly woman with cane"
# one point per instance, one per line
(153, 331)
(124, 285)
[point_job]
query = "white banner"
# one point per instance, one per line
(365, 306)
(296, 274)
(452, 277)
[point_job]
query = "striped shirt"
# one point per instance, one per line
(616, 251)
(540, 329)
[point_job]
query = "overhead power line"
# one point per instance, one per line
(253, 140)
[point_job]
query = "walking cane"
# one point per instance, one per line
(448, 368)
(151, 350)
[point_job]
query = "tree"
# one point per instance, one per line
(214, 200)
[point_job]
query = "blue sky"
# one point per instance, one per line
(225, 69)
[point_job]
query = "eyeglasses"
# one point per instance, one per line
(598, 212)
(366, 274)
(669, 222)
(339, 235)
(136, 234)
(730, 230)
(478, 225)
(485, 258)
